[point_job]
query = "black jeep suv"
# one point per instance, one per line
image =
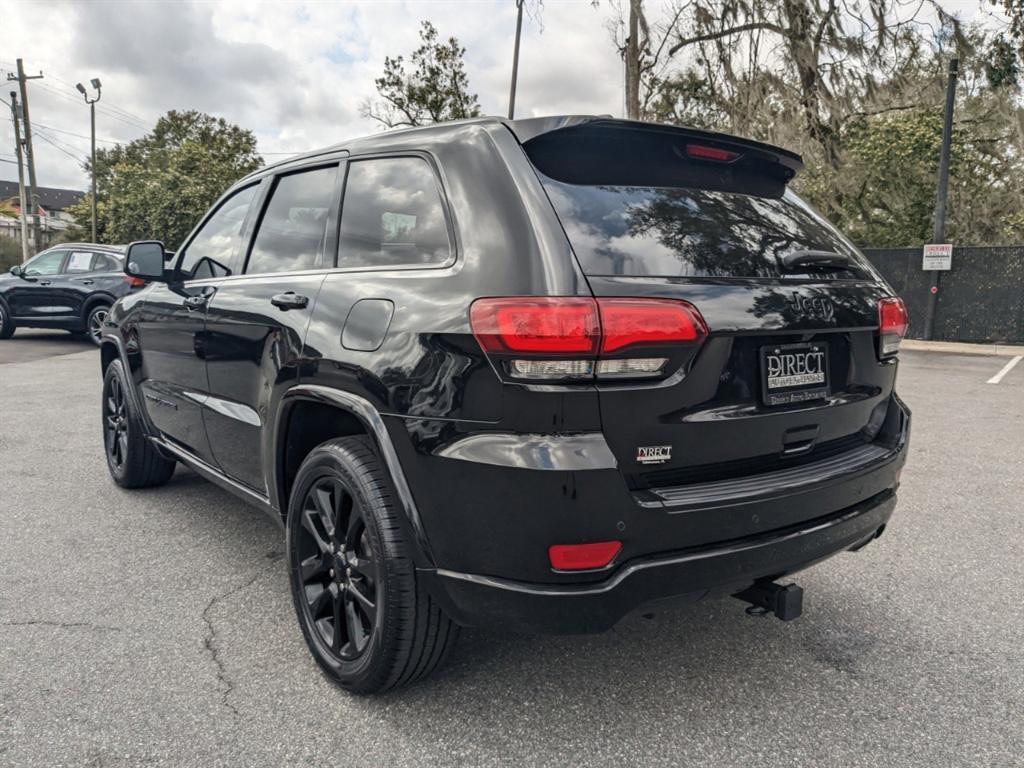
(526, 374)
(69, 287)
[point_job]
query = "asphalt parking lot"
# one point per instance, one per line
(156, 628)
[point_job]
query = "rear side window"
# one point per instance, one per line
(293, 229)
(392, 215)
(105, 263)
(212, 251)
(646, 203)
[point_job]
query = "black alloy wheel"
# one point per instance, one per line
(115, 424)
(368, 620)
(133, 461)
(338, 568)
(94, 323)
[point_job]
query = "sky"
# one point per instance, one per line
(294, 73)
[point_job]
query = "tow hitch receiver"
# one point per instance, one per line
(786, 602)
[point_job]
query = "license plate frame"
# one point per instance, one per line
(787, 365)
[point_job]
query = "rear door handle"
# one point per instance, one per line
(289, 300)
(45, 282)
(86, 282)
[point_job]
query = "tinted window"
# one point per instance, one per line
(691, 232)
(212, 249)
(392, 215)
(79, 261)
(106, 263)
(293, 230)
(45, 263)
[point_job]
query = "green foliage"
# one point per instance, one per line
(157, 187)
(1001, 67)
(435, 90)
(10, 253)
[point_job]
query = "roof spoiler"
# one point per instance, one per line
(530, 129)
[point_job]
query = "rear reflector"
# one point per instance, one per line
(893, 321)
(583, 557)
(704, 152)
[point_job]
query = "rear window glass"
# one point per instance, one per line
(669, 202)
(691, 232)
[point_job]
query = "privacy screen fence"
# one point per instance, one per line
(980, 299)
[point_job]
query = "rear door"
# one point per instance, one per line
(82, 279)
(256, 322)
(789, 371)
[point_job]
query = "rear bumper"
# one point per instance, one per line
(689, 574)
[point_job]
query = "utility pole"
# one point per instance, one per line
(515, 61)
(22, 203)
(939, 233)
(33, 188)
(92, 163)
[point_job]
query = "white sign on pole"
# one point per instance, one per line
(938, 256)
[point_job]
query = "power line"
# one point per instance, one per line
(79, 135)
(50, 141)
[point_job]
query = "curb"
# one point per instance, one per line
(962, 348)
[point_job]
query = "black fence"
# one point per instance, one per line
(980, 299)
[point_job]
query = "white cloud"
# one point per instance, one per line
(294, 73)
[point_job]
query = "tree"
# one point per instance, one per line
(806, 62)
(158, 186)
(435, 90)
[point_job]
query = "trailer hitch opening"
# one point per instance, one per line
(785, 601)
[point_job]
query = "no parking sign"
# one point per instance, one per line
(938, 256)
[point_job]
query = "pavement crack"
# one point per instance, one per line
(210, 642)
(62, 625)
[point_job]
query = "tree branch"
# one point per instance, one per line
(763, 25)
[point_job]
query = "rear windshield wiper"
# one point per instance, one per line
(816, 260)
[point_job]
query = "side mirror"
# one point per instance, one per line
(16, 271)
(145, 259)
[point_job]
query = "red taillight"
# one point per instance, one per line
(893, 321)
(555, 326)
(134, 282)
(704, 152)
(564, 337)
(583, 557)
(635, 322)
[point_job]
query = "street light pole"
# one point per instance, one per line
(92, 163)
(515, 61)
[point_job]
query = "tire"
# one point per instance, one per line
(6, 323)
(341, 497)
(94, 322)
(133, 461)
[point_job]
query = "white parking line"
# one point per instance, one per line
(1006, 369)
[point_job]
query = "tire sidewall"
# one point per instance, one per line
(6, 322)
(332, 461)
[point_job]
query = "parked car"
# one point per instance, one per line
(525, 374)
(70, 286)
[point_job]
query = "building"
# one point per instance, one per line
(53, 209)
